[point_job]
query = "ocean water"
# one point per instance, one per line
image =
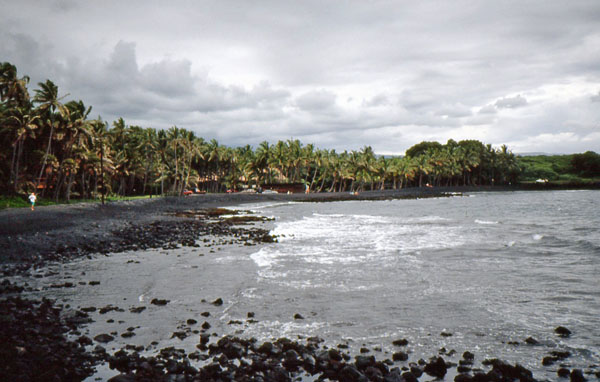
(491, 269)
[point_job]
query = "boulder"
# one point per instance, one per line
(436, 367)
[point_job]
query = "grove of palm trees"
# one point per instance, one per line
(50, 145)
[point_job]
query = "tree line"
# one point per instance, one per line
(52, 146)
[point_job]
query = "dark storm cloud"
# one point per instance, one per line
(382, 73)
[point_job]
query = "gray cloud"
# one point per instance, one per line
(316, 100)
(511, 102)
(341, 76)
(488, 109)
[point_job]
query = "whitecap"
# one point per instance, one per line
(485, 221)
(263, 258)
(429, 219)
(329, 215)
(537, 237)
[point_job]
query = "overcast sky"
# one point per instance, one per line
(339, 74)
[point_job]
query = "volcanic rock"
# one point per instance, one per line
(562, 331)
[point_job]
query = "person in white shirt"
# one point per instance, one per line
(32, 199)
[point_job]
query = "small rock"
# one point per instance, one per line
(577, 376)
(180, 335)
(548, 361)
(400, 342)
(562, 331)
(408, 376)
(84, 340)
(563, 373)
(400, 356)
(123, 378)
(104, 338)
(204, 338)
(531, 341)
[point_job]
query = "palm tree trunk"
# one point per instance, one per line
(83, 187)
(45, 158)
(333, 184)
(95, 184)
(18, 164)
(322, 184)
(187, 176)
(59, 184)
(69, 185)
(13, 179)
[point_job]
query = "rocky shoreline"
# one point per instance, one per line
(62, 232)
(43, 340)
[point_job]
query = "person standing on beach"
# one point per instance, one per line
(32, 199)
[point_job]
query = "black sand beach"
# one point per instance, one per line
(64, 231)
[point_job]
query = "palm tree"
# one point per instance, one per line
(162, 151)
(279, 159)
(23, 126)
(424, 167)
(294, 160)
(214, 158)
(366, 166)
(384, 169)
(73, 144)
(407, 169)
(264, 153)
(148, 145)
(100, 155)
(192, 149)
(49, 102)
(13, 90)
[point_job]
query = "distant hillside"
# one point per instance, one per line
(534, 154)
(560, 168)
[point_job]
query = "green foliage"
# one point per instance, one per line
(422, 148)
(574, 168)
(586, 164)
